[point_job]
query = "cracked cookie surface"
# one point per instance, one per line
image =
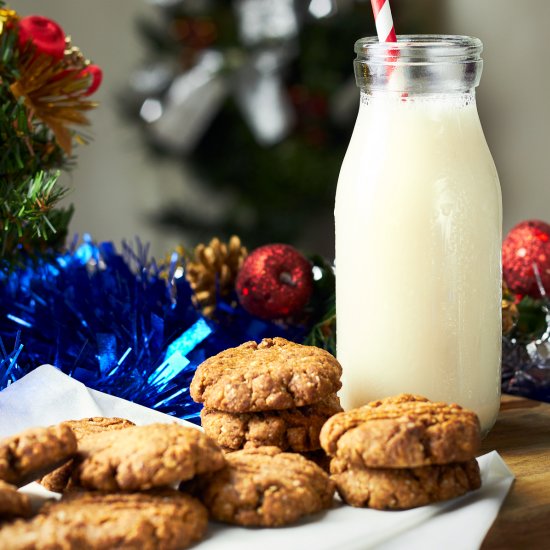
(143, 457)
(275, 374)
(400, 488)
(59, 479)
(294, 429)
(28, 455)
(97, 424)
(164, 519)
(265, 487)
(404, 431)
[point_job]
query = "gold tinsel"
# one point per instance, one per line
(214, 271)
(54, 92)
(7, 16)
(510, 313)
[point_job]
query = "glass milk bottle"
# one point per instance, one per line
(418, 231)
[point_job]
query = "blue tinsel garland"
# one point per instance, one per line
(118, 323)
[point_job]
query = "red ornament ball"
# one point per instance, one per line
(275, 281)
(46, 35)
(526, 244)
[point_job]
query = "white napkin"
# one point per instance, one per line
(47, 396)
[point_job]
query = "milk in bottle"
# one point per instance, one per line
(418, 231)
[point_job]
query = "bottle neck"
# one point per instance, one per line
(419, 65)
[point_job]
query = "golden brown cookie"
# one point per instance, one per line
(30, 454)
(275, 374)
(13, 503)
(59, 479)
(402, 488)
(402, 432)
(294, 429)
(97, 424)
(265, 487)
(143, 457)
(164, 519)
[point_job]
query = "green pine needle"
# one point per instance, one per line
(28, 214)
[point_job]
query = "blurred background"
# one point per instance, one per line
(220, 117)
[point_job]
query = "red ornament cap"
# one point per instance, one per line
(46, 35)
(526, 244)
(96, 74)
(275, 281)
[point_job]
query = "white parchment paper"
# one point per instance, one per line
(47, 396)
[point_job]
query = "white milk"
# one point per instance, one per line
(418, 244)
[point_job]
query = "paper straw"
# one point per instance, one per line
(384, 21)
(385, 29)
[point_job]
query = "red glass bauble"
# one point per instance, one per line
(526, 244)
(275, 281)
(46, 35)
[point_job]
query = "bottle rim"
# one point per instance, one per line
(413, 49)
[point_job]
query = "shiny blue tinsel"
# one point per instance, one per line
(118, 323)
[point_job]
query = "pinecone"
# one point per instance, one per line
(510, 313)
(214, 270)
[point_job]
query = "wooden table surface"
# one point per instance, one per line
(521, 435)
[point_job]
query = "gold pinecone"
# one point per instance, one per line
(214, 271)
(510, 311)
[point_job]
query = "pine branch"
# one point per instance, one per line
(27, 213)
(25, 149)
(323, 333)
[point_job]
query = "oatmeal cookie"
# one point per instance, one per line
(265, 487)
(13, 504)
(97, 424)
(403, 488)
(275, 374)
(164, 519)
(143, 457)
(294, 429)
(402, 432)
(30, 454)
(59, 479)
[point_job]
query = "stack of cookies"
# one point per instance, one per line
(276, 393)
(261, 400)
(121, 492)
(403, 452)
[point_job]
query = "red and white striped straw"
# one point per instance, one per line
(384, 21)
